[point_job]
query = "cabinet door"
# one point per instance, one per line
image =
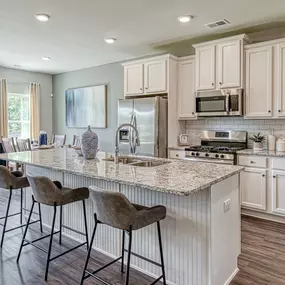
(253, 188)
(280, 80)
(258, 87)
(155, 75)
(177, 154)
(229, 64)
(278, 192)
(186, 90)
(205, 68)
(133, 79)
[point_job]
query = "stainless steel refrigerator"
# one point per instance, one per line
(149, 116)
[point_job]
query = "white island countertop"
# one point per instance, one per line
(177, 177)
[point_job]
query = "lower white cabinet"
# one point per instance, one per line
(278, 192)
(253, 188)
(176, 154)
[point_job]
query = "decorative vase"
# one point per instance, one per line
(257, 145)
(89, 144)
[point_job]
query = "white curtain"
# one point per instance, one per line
(34, 110)
(3, 109)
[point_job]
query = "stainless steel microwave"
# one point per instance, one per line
(225, 102)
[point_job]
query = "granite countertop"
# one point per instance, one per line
(177, 177)
(272, 153)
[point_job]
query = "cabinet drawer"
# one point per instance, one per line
(278, 163)
(252, 161)
(178, 154)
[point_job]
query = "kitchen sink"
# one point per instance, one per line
(124, 160)
(149, 163)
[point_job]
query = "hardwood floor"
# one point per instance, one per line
(262, 261)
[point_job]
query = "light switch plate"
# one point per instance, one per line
(227, 205)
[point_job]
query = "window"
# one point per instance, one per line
(18, 114)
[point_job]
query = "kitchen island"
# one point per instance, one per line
(201, 233)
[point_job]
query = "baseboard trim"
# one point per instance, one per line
(233, 275)
(264, 216)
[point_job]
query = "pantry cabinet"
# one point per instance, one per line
(186, 89)
(219, 64)
(253, 188)
(278, 191)
(147, 77)
(259, 82)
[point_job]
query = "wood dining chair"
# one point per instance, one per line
(58, 140)
(8, 146)
(23, 144)
(76, 141)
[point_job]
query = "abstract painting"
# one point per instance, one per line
(86, 106)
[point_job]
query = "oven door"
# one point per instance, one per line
(212, 105)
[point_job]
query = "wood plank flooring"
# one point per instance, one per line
(262, 261)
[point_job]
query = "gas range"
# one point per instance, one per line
(217, 147)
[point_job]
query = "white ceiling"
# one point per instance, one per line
(74, 36)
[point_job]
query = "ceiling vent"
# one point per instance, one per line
(217, 24)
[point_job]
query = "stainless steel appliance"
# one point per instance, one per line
(149, 116)
(217, 147)
(225, 102)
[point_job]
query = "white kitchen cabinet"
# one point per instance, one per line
(149, 76)
(133, 78)
(253, 188)
(205, 67)
(186, 89)
(280, 88)
(278, 192)
(155, 73)
(229, 64)
(259, 78)
(176, 153)
(219, 63)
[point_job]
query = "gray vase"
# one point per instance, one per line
(89, 144)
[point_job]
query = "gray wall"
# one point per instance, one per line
(45, 80)
(110, 74)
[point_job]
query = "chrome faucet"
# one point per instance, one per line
(117, 139)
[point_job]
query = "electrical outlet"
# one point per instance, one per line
(227, 205)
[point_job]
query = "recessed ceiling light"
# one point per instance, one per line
(42, 17)
(45, 58)
(185, 19)
(110, 40)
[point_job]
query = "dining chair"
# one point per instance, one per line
(76, 141)
(58, 140)
(23, 144)
(8, 146)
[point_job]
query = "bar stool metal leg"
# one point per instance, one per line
(89, 251)
(50, 243)
(40, 216)
(123, 252)
(21, 207)
(26, 229)
(6, 217)
(60, 224)
(161, 253)
(129, 255)
(85, 223)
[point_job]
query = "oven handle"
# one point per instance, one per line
(217, 161)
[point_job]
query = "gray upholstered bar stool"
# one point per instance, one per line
(115, 210)
(50, 193)
(14, 181)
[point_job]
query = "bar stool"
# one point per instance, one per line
(115, 210)
(14, 181)
(50, 193)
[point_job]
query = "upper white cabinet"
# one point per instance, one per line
(147, 77)
(205, 68)
(186, 89)
(219, 64)
(229, 64)
(155, 73)
(280, 58)
(133, 75)
(258, 87)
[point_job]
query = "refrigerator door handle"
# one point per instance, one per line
(134, 136)
(131, 134)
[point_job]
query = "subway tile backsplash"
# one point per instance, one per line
(265, 127)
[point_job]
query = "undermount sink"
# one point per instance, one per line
(137, 162)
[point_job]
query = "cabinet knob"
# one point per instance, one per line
(263, 175)
(213, 84)
(220, 83)
(269, 111)
(146, 88)
(193, 113)
(274, 176)
(177, 155)
(140, 88)
(252, 161)
(279, 111)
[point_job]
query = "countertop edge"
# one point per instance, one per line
(267, 153)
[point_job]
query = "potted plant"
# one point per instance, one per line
(257, 141)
